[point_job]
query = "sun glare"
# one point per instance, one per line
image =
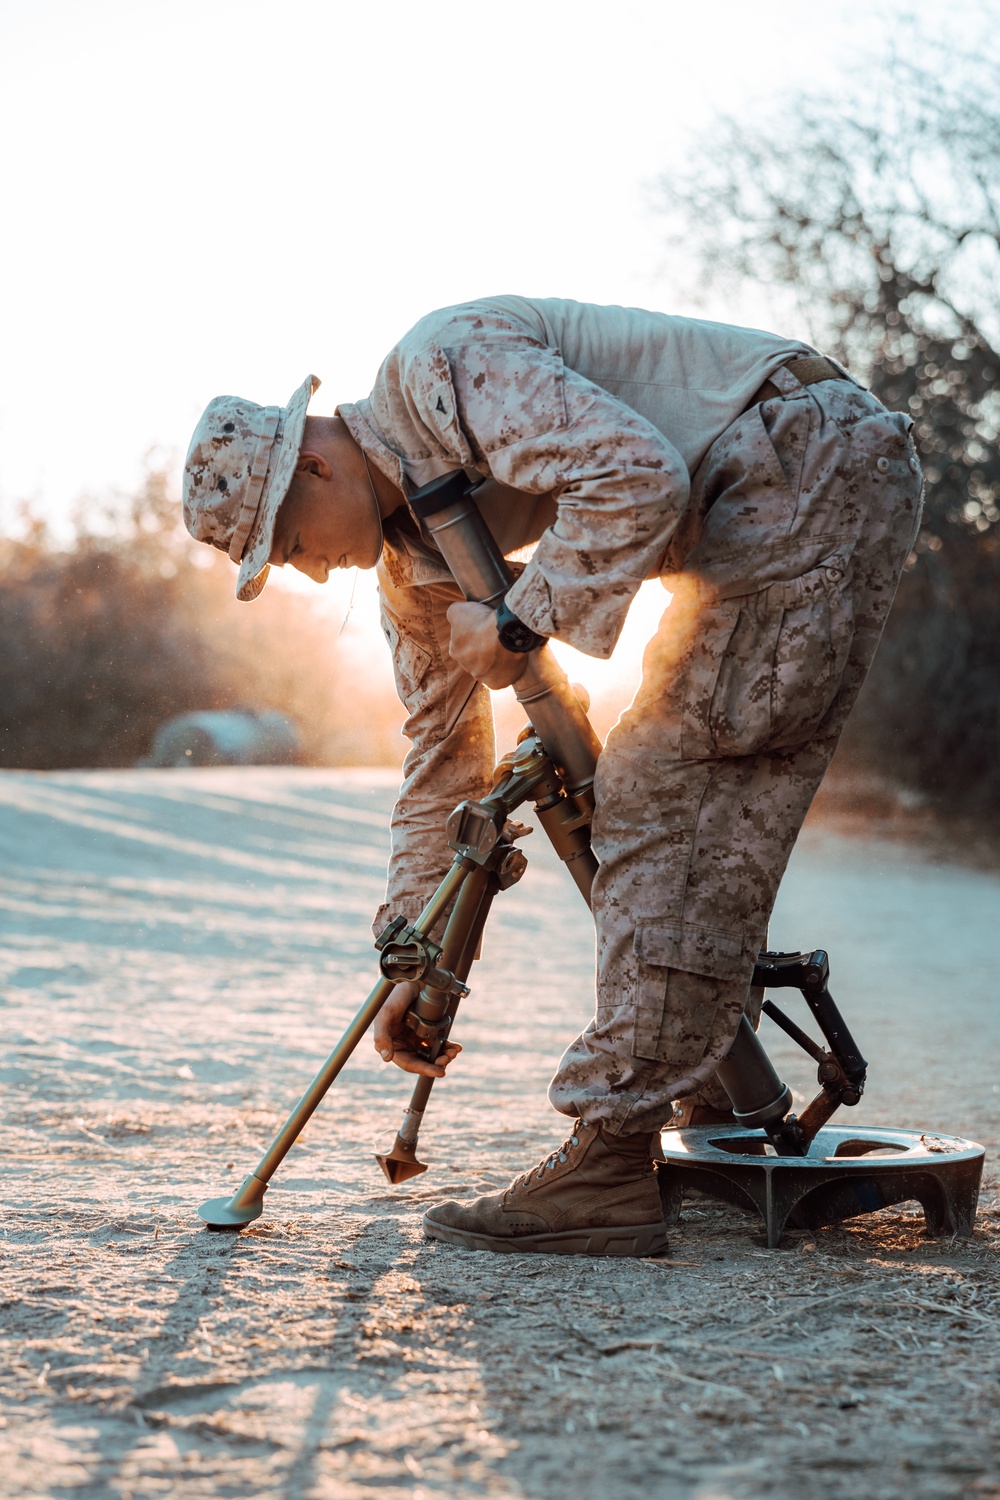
(619, 676)
(611, 684)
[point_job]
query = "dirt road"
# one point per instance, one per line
(181, 949)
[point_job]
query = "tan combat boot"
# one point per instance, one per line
(596, 1195)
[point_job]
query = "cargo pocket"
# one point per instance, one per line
(695, 685)
(783, 661)
(738, 717)
(811, 651)
(684, 972)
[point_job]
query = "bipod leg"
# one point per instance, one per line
(842, 1069)
(400, 1163)
(247, 1203)
(461, 939)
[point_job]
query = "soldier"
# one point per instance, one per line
(777, 500)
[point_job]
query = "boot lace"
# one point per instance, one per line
(547, 1164)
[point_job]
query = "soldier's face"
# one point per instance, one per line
(323, 524)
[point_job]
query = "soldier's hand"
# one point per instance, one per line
(395, 1042)
(476, 646)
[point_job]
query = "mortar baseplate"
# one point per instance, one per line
(849, 1170)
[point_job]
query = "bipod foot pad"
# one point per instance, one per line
(242, 1208)
(846, 1172)
(400, 1164)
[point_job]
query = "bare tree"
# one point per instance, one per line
(880, 213)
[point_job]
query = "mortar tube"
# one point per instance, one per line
(448, 510)
(559, 719)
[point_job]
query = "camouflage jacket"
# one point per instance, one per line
(588, 421)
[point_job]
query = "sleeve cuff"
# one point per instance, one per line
(531, 601)
(578, 622)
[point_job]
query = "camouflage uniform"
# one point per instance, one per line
(780, 528)
(705, 781)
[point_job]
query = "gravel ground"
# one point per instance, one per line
(181, 949)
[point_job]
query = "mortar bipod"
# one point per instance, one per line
(471, 829)
(486, 861)
(758, 1096)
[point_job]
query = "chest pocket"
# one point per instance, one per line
(410, 662)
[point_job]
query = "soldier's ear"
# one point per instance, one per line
(312, 462)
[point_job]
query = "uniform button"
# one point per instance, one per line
(913, 465)
(882, 464)
(834, 573)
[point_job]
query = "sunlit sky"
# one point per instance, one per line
(223, 195)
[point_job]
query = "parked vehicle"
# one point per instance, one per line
(226, 737)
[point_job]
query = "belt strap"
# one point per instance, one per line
(810, 369)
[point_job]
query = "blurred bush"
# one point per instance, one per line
(133, 623)
(876, 217)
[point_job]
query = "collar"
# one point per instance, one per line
(358, 420)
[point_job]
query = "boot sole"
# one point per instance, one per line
(639, 1239)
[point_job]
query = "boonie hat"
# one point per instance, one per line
(236, 474)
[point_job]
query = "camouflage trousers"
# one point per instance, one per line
(811, 504)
